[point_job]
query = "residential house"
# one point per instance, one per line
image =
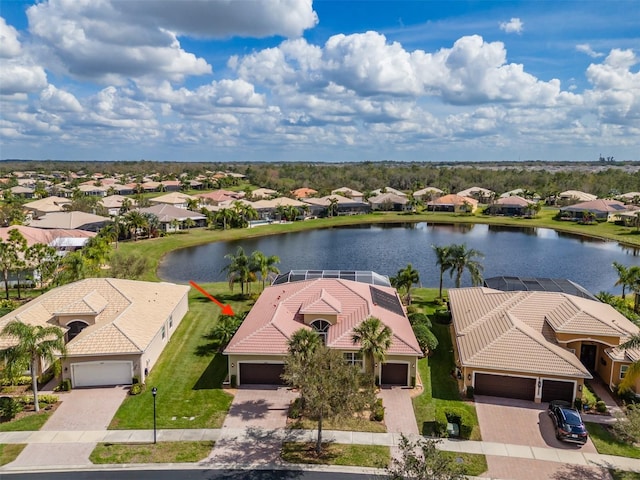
(71, 220)
(349, 193)
(428, 193)
(513, 206)
(23, 192)
(319, 207)
(331, 304)
(175, 199)
(605, 210)
(383, 190)
(453, 203)
(113, 203)
(630, 197)
(390, 202)
(536, 345)
(268, 209)
(570, 197)
(172, 218)
(94, 190)
(41, 207)
(219, 197)
(304, 192)
(483, 195)
(115, 329)
(262, 193)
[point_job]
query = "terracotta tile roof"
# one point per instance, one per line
(50, 236)
(278, 313)
(514, 200)
(69, 220)
(131, 311)
(516, 330)
(173, 198)
(453, 199)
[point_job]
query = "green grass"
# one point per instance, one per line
(607, 444)
(589, 396)
(161, 452)
(622, 475)
(348, 425)
(440, 390)
(29, 423)
(189, 374)
(472, 464)
(376, 456)
(9, 452)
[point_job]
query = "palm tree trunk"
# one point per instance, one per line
(34, 384)
(6, 283)
(440, 291)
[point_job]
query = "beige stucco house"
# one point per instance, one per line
(332, 307)
(115, 329)
(538, 346)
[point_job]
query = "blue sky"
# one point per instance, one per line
(329, 80)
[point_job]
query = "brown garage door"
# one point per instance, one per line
(504, 386)
(394, 374)
(557, 390)
(261, 373)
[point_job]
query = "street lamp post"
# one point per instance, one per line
(154, 392)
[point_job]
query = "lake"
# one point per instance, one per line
(510, 251)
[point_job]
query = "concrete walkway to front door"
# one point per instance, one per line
(249, 434)
(84, 409)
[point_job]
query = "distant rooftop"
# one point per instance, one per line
(510, 284)
(369, 277)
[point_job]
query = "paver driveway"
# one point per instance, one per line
(246, 432)
(519, 422)
(88, 409)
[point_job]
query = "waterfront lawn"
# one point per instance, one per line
(376, 456)
(161, 452)
(622, 475)
(607, 444)
(189, 373)
(10, 451)
(440, 391)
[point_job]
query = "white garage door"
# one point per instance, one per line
(93, 374)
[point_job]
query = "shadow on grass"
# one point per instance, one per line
(213, 376)
(582, 472)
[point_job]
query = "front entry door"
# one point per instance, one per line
(588, 356)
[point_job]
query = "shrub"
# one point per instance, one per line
(295, 409)
(233, 381)
(65, 386)
(442, 316)
(413, 382)
(420, 319)
(470, 391)
(454, 415)
(136, 389)
(577, 403)
(135, 380)
(21, 380)
(426, 339)
(377, 411)
(47, 399)
(601, 406)
(46, 377)
(9, 408)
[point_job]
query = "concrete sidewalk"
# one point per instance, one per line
(571, 457)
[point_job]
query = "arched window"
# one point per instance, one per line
(321, 327)
(75, 328)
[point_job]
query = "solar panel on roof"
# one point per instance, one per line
(386, 301)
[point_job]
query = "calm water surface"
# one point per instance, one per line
(530, 252)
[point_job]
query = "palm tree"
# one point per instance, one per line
(634, 285)
(303, 342)
(225, 215)
(624, 278)
(135, 222)
(332, 209)
(443, 261)
(461, 259)
(225, 329)
(239, 269)
(374, 338)
(34, 343)
(264, 264)
(633, 372)
(405, 279)
(11, 251)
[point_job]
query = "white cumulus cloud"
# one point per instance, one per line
(586, 48)
(515, 25)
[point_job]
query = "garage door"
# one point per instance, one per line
(261, 373)
(94, 374)
(504, 386)
(557, 390)
(394, 374)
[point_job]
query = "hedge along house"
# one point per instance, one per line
(115, 329)
(332, 303)
(534, 345)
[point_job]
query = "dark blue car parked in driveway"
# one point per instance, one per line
(567, 422)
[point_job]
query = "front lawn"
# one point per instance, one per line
(376, 456)
(189, 374)
(9, 452)
(440, 389)
(28, 423)
(342, 424)
(161, 452)
(473, 464)
(607, 444)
